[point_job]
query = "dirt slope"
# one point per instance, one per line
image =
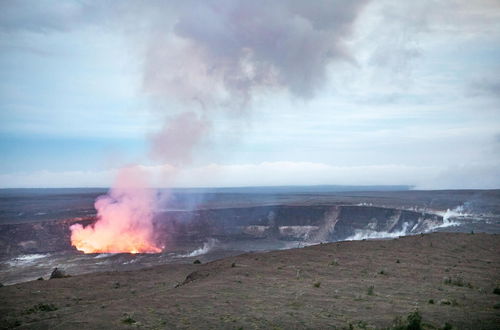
(360, 284)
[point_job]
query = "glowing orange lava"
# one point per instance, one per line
(89, 240)
(124, 219)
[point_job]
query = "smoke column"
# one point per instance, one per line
(212, 56)
(125, 218)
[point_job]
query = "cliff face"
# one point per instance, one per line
(309, 223)
(312, 223)
(37, 237)
(353, 219)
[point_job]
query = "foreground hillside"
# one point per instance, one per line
(448, 278)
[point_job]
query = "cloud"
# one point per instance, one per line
(212, 50)
(203, 59)
(221, 52)
(42, 16)
(486, 86)
(393, 36)
(57, 179)
(217, 55)
(466, 176)
(277, 174)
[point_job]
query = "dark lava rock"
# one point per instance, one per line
(196, 275)
(58, 273)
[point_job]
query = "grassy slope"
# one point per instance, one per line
(315, 287)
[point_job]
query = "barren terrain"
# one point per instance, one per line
(448, 277)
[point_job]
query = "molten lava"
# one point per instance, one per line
(124, 219)
(94, 239)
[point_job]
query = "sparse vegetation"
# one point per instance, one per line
(334, 263)
(457, 281)
(128, 319)
(41, 307)
(413, 322)
(370, 290)
(9, 324)
(296, 305)
(447, 326)
(362, 324)
(449, 302)
(349, 291)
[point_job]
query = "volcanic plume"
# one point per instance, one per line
(205, 57)
(124, 218)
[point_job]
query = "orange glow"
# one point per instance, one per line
(90, 240)
(124, 219)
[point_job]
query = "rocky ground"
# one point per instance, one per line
(449, 278)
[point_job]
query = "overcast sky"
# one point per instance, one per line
(238, 93)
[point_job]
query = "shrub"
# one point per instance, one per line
(41, 307)
(8, 324)
(197, 262)
(431, 301)
(447, 326)
(496, 290)
(458, 281)
(370, 290)
(413, 322)
(317, 284)
(129, 320)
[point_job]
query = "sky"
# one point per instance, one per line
(239, 93)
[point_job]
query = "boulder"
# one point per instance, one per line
(58, 273)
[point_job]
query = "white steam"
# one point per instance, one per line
(207, 247)
(360, 234)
